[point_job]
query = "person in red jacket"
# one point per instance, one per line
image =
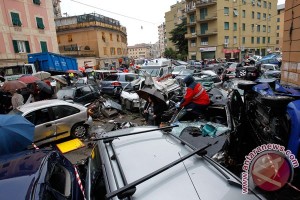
(196, 98)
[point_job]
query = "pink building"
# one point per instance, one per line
(26, 26)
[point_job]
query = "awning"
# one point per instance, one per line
(231, 50)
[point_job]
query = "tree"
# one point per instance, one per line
(170, 53)
(178, 38)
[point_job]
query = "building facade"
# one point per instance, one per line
(140, 51)
(26, 26)
(290, 68)
(162, 39)
(93, 39)
(279, 27)
(173, 18)
(230, 28)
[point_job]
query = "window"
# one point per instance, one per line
(243, 40)
(203, 13)
(226, 40)
(70, 38)
(253, 2)
(204, 41)
(269, 29)
(234, 39)
(64, 111)
(258, 40)
(111, 37)
(15, 18)
(235, 26)
(252, 27)
(37, 2)
(39, 23)
(203, 28)
(21, 46)
(258, 15)
(264, 28)
(265, 4)
(119, 51)
(226, 11)
(269, 18)
(258, 28)
(269, 40)
(277, 34)
(226, 25)
(244, 2)
(259, 3)
(243, 26)
(252, 40)
(103, 36)
(278, 19)
(270, 5)
(264, 40)
(264, 16)
(253, 14)
(39, 116)
(112, 51)
(277, 41)
(44, 46)
(235, 12)
(193, 30)
(58, 180)
(244, 13)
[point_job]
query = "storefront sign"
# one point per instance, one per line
(208, 49)
(231, 50)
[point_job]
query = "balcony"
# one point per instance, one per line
(204, 43)
(191, 23)
(208, 33)
(190, 35)
(190, 10)
(204, 3)
(208, 18)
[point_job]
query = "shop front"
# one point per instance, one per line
(208, 53)
(232, 54)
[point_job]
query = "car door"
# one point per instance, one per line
(45, 128)
(83, 95)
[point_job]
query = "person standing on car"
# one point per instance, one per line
(196, 97)
(153, 111)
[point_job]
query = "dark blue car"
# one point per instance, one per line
(38, 174)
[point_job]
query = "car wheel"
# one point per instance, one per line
(78, 130)
(276, 101)
(242, 73)
(246, 85)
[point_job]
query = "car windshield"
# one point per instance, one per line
(65, 93)
(185, 72)
(178, 68)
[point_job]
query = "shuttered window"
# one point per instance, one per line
(21, 46)
(37, 2)
(15, 19)
(44, 46)
(39, 23)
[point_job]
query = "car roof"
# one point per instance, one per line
(47, 103)
(189, 179)
(19, 171)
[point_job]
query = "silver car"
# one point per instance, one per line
(55, 119)
(148, 163)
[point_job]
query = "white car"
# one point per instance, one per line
(55, 119)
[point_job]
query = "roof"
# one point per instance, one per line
(142, 154)
(18, 173)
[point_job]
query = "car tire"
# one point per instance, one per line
(79, 130)
(246, 85)
(242, 73)
(276, 101)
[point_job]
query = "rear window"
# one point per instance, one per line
(130, 77)
(65, 93)
(112, 77)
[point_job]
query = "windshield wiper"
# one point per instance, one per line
(130, 189)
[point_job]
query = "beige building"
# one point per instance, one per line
(93, 39)
(173, 18)
(230, 28)
(143, 51)
(290, 69)
(162, 39)
(26, 27)
(279, 27)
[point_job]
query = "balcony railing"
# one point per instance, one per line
(203, 3)
(204, 43)
(190, 35)
(208, 32)
(208, 18)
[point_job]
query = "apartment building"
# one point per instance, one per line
(290, 70)
(162, 39)
(173, 18)
(140, 51)
(93, 39)
(26, 27)
(230, 28)
(279, 27)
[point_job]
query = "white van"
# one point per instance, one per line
(14, 72)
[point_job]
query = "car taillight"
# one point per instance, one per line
(116, 84)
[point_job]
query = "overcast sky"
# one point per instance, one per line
(140, 17)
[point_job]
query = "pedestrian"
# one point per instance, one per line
(2, 74)
(196, 98)
(16, 99)
(68, 79)
(153, 111)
